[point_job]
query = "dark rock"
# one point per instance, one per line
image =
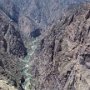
(22, 79)
(1, 64)
(88, 15)
(14, 83)
(35, 33)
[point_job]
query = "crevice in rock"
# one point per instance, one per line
(88, 15)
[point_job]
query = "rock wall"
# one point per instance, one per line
(11, 48)
(62, 60)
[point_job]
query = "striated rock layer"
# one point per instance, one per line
(62, 60)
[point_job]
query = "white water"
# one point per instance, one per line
(27, 61)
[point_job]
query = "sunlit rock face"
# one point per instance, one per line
(5, 86)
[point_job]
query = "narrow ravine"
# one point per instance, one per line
(27, 61)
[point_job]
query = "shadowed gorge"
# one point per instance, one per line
(44, 44)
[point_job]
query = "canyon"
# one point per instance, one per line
(44, 45)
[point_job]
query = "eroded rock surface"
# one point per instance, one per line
(11, 48)
(62, 60)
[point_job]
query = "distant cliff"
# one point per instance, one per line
(39, 13)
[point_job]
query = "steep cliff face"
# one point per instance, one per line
(11, 48)
(62, 60)
(10, 38)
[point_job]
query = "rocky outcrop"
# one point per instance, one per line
(62, 60)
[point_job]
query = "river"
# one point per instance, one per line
(32, 45)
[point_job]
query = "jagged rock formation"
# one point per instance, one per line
(10, 38)
(62, 60)
(11, 48)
